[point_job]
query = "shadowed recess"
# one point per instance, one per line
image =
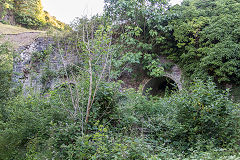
(161, 86)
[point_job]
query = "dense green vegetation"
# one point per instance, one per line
(93, 117)
(5, 71)
(201, 36)
(29, 14)
(207, 35)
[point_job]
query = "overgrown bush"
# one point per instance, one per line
(5, 70)
(67, 142)
(105, 104)
(200, 122)
(26, 119)
(207, 39)
(199, 117)
(5, 77)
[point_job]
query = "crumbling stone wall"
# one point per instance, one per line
(28, 71)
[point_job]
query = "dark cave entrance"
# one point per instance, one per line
(160, 87)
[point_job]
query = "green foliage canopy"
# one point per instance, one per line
(208, 39)
(139, 27)
(30, 14)
(201, 36)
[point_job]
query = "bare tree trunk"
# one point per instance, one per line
(90, 90)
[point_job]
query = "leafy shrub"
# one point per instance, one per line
(206, 113)
(28, 21)
(27, 118)
(201, 116)
(101, 143)
(207, 39)
(5, 70)
(5, 77)
(143, 128)
(105, 104)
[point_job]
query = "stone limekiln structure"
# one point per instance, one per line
(32, 61)
(172, 79)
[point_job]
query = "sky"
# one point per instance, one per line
(67, 10)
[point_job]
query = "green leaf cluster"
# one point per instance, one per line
(200, 117)
(201, 36)
(138, 27)
(30, 14)
(6, 67)
(207, 36)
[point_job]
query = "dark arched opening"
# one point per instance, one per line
(160, 87)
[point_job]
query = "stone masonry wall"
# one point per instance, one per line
(28, 70)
